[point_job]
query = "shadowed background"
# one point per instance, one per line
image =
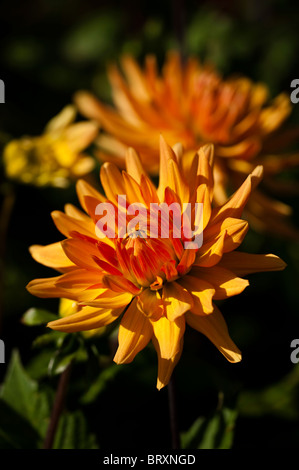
(49, 50)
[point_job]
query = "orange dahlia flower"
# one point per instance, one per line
(194, 105)
(156, 285)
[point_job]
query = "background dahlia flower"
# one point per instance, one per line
(54, 158)
(194, 105)
(155, 286)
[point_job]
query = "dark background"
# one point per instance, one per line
(49, 50)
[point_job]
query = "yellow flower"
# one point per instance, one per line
(54, 158)
(194, 105)
(155, 285)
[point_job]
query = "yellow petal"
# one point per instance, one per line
(86, 319)
(85, 189)
(166, 366)
(177, 300)
(177, 183)
(166, 154)
(233, 229)
(225, 282)
(214, 327)
(210, 253)
(202, 294)
(66, 224)
(134, 165)
(52, 256)
(106, 298)
(46, 287)
(112, 181)
(135, 331)
(168, 335)
(235, 205)
(246, 263)
(150, 304)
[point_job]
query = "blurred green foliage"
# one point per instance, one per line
(49, 51)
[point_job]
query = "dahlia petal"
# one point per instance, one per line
(166, 154)
(224, 281)
(52, 256)
(134, 165)
(246, 149)
(135, 78)
(75, 213)
(202, 293)
(47, 288)
(234, 206)
(132, 190)
(85, 189)
(203, 197)
(204, 169)
(87, 318)
(104, 298)
(246, 263)
(79, 279)
(112, 182)
(176, 299)
(234, 230)
(210, 253)
(81, 253)
(168, 335)
(177, 183)
(166, 366)
(214, 327)
(150, 304)
(80, 134)
(67, 224)
(135, 332)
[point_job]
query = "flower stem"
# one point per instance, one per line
(173, 414)
(57, 407)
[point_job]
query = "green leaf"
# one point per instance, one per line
(72, 433)
(279, 399)
(98, 386)
(15, 431)
(35, 316)
(215, 432)
(22, 395)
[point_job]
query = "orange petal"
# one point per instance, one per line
(176, 299)
(150, 304)
(202, 294)
(235, 205)
(225, 282)
(214, 327)
(86, 319)
(81, 253)
(67, 224)
(78, 280)
(177, 183)
(246, 263)
(166, 154)
(106, 298)
(112, 181)
(134, 166)
(210, 253)
(52, 256)
(234, 230)
(135, 332)
(166, 366)
(85, 189)
(168, 335)
(46, 288)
